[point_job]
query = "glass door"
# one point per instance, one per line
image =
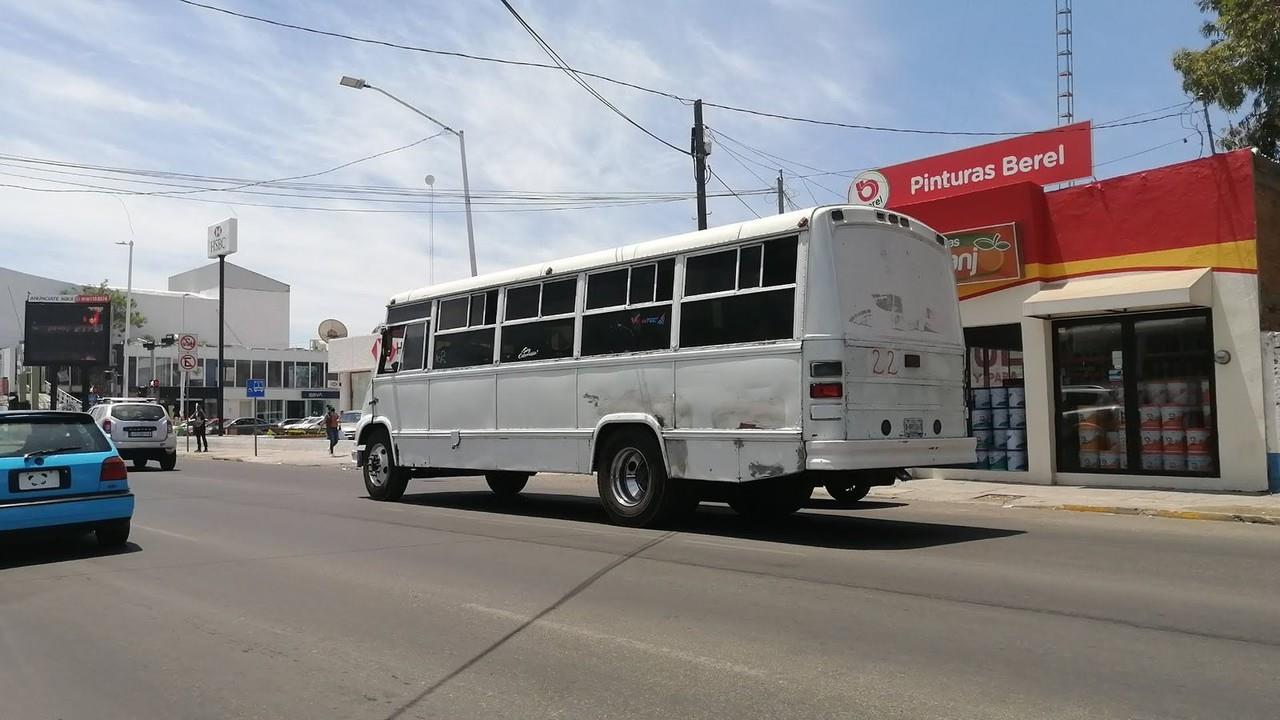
(1092, 432)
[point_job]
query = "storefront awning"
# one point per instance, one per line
(1123, 293)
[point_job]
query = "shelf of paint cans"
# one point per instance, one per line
(1175, 426)
(998, 416)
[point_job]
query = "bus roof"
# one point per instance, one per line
(685, 242)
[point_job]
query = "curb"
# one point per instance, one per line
(1173, 514)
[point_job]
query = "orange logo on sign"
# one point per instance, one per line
(985, 254)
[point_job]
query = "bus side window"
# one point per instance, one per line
(392, 345)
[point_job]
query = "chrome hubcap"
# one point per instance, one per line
(629, 477)
(379, 465)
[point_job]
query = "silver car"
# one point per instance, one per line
(141, 431)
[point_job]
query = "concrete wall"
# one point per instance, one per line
(351, 353)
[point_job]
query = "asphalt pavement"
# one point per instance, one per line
(264, 591)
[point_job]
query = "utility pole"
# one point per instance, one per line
(1213, 150)
(222, 341)
(780, 209)
(698, 148)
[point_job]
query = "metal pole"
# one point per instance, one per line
(222, 324)
(128, 317)
(466, 199)
(182, 389)
(1213, 150)
(255, 426)
(780, 210)
(699, 164)
(153, 369)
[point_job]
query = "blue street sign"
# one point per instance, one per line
(255, 388)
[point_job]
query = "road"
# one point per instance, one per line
(255, 591)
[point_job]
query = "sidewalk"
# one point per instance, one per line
(272, 451)
(1153, 503)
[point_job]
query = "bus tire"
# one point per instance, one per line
(506, 484)
(764, 500)
(848, 493)
(633, 483)
(382, 479)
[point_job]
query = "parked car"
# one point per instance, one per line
(347, 422)
(62, 473)
(141, 430)
(245, 426)
(286, 424)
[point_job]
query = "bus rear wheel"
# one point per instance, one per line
(506, 484)
(382, 479)
(633, 482)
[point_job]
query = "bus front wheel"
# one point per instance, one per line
(633, 482)
(506, 484)
(382, 479)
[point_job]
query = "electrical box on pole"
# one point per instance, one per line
(698, 148)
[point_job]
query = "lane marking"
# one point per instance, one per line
(170, 533)
(652, 649)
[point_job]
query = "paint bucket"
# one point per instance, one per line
(1173, 441)
(1198, 440)
(1017, 440)
(1017, 397)
(1091, 436)
(1108, 460)
(981, 462)
(1087, 415)
(999, 438)
(1017, 417)
(1206, 394)
(999, 397)
(1173, 416)
(1195, 417)
(1157, 393)
(981, 418)
(999, 417)
(981, 398)
(1088, 459)
(982, 439)
(1179, 392)
(1199, 462)
(1152, 440)
(1117, 441)
(1175, 461)
(1018, 460)
(1117, 392)
(997, 459)
(1149, 416)
(1152, 461)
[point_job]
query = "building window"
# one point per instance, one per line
(273, 374)
(1135, 395)
(243, 368)
(538, 322)
(287, 371)
(997, 397)
(752, 291)
(464, 335)
(210, 373)
(259, 369)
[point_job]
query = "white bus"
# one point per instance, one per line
(747, 363)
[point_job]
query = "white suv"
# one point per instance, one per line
(140, 429)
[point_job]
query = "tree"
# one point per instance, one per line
(136, 318)
(1241, 64)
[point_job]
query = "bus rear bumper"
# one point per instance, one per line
(892, 453)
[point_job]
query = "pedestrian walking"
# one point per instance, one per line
(331, 427)
(197, 424)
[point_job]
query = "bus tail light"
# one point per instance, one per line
(826, 390)
(113, 469)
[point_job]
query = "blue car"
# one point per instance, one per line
(59, 472)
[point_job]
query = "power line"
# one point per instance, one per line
(732, 192)
(573, 75)
(654, 91)
(1144, 152)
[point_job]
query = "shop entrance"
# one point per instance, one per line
(997, 396)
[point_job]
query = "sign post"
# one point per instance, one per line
(223, 241)
(255, 388)
(188, 361)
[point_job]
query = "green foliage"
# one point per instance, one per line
(1241, 66)
(136, 318)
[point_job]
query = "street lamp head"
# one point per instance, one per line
(351, 82)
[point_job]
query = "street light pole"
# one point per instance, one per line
(360, 84)
(128, 316)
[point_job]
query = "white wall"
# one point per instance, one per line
(351, 354)
(257, 318)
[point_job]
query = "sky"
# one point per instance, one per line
(158, 85)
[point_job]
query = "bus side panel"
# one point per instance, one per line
(383, 389)
(540, 399)
(411, 402)
(747, 391)
(645, 387)
(463, 402)
(528, 451)
(734, 457)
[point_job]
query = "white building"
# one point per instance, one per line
(353, 359)
(257, 343)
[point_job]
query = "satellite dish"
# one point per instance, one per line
(430, 179)
(332, 329)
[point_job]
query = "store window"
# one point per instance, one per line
(997, 397)
(1135, 395)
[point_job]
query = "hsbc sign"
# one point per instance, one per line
(1050, 156)
(222, 238)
